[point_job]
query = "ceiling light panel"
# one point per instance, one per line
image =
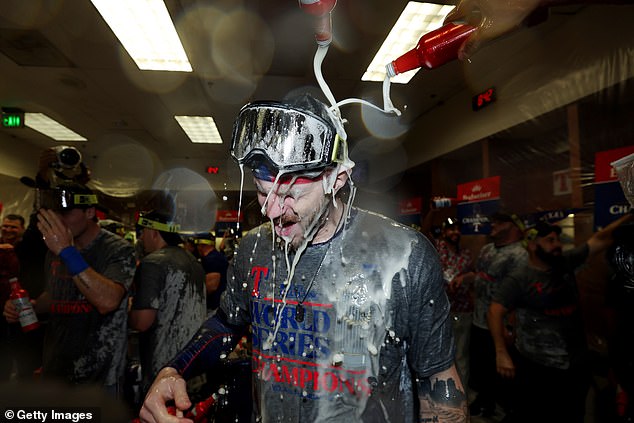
(51, 128)
(416, 20)
(146, 31)
(200, 129)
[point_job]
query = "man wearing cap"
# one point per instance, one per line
(347, 309)
(215, 265)
(89, 273)
(168, 305)
(496, 260)
(551, 366)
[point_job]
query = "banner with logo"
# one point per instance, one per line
(411, 206)
(228, 216)
(609, 201)
(550, 216)
(410, 210)
(227, 220)
(477, 201)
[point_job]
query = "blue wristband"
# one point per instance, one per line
(75, 263)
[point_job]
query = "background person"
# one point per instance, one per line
(10, 234)
(215, 265)
(495, 261)
(457, 267)
(552, 364)
(620, 313)
(89, 273)
(168, 304)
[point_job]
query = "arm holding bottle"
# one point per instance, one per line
(499, 17)
(214, 340)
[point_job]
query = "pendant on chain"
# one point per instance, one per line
(299, 313)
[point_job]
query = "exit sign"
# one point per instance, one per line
(12, 118)
(483, 99)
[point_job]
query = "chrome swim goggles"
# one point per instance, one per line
(287, 138)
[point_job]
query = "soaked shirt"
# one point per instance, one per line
(172, 282)
(494, 264)
(549, 328)
(82, 345)
(364, 319)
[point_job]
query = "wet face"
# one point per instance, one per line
(451, 234)
(11, 230)
(295, 206)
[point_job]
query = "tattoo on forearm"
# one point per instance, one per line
(442, 401)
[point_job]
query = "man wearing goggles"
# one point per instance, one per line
(347, 310)
(89, 272)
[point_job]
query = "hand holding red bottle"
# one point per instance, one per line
(497, 18)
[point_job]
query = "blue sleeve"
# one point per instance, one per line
(213, 342)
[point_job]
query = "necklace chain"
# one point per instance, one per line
(299, 310)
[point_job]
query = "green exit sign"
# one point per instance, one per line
(12, 119)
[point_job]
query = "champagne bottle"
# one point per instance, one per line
(433, 49)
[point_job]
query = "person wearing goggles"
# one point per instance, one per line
(346, 308)
(89, 272)
(168, 305)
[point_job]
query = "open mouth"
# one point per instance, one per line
(284, 228)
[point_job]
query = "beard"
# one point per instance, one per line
(306, 225)
(453, 240)
(553, 258)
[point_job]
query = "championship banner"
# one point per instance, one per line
(410, 211)
(228, 216)
(411, 206)
(477, 201)
(551, 216)
(480, 190)
(609, 201)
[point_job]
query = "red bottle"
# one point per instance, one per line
(199, 413)
(321, 10)
(433, 49)
(21, 300)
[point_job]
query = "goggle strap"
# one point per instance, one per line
(84, 199)
(203, 241)
(153, 224)
(335, 149)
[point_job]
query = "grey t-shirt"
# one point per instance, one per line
(375, 322)
(82, 345)
(172, 282)
(549, 327)
(493, 265)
